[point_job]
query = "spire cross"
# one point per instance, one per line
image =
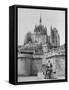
(40, 18)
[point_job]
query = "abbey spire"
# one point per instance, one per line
(40, 20)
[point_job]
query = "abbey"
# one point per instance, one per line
(38, 49)
(40, 36)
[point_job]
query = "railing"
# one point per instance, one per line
(54, 53)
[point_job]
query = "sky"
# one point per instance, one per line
(28, 18)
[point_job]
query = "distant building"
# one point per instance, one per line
(40, 36)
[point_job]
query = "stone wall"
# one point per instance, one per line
(29, 66)
(21, 67)
(36, 66)
(24, 66)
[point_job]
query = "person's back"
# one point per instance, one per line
(49, 70)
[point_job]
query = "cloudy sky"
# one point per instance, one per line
(28, 18)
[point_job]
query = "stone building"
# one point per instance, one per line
(54, 38)
(38, 48)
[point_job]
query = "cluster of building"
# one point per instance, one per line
(38, 48)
